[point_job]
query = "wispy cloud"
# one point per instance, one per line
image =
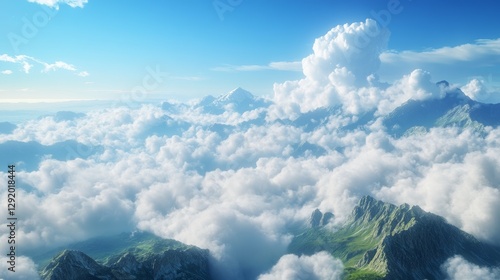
(84, 74)
(58, 65)
(19, 59)
(279, 66)
(484, 50)
(55, 3)
(27, 63)
(7, 72)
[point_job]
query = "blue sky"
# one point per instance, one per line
(103, 49)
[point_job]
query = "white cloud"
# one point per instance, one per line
(417, 86)
(281, 66)
(485, 52)
(19, 59)
(7, 72)
(477, 90)
(28, 62)
(342, 61)
(25, 269)
(55, 3)
(320, 266)
(453, 63)
(243, 191)
(58, 65)
(84, 74)
(457, 268)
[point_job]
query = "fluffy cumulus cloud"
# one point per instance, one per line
(457, 268)
(242, 184)
(477, 90)
(341, 61)
(55, 3)
(25, 269)
(320, 266)
(342, 72)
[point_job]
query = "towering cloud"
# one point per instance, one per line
(343, 60)
(342, 71)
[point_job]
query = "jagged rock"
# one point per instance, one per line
(319, 219)
(315, 219)
(75, 265)
(327, 217)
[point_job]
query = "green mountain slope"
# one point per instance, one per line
(127, 256)
(103, 247)
(381, 240)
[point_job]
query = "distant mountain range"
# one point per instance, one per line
(455, 109)
(384, 241)
(237, 100)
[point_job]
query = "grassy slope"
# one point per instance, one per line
(358, 236)
(102, 249)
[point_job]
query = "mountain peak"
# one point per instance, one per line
(443, 83)
(71, 264)
(238, 100)
(390, 217)
(384, 241)
(368, 201)
(236, 95)
(454, 109)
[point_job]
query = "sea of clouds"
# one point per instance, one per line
(234, 183)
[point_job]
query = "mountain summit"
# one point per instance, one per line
(237, 95)
(384, 241)
(237, 100)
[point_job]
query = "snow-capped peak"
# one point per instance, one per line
(236, 95)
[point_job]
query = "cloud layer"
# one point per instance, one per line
(320, 266)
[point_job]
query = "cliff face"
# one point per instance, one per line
(391, 242)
